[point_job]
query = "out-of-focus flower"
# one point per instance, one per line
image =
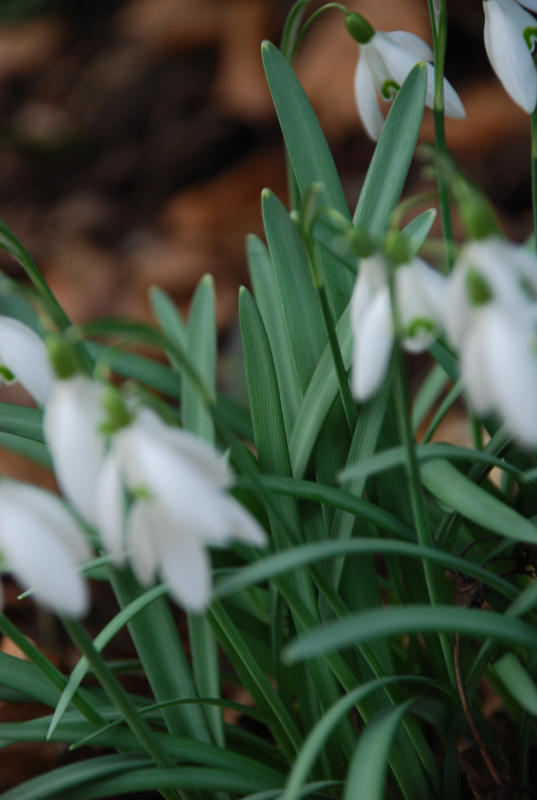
(178, 506)
(510, 33)
(23, 358)
(418, 293)
(491, 318)
(72, 420)
(384, 63)
(42, 545)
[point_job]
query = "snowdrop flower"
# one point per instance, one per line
(384, 63)
(179, 506)
(23, 358)
(43, 546)
(510, 33)
(419, 292)
(491, 318)
(71, 424)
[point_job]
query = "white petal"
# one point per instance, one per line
(453, 106)
(373, 346)
(42, 546)
(71, 426)
(411, 42)
(110, 508)
(146, 462)
(509, 56)
(24, 354)
(241, 524)
(398, 60)
(531, 4)
(185, 566)
(143, 529)
(366, 99)
(199, 453)
(420, 296)
(474, 366)
(513, 369)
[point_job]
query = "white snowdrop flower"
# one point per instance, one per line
(23, 358)
(384, 63)
(491, 318)
(71, 424)
(179, 506)
(419, 292)
(42, 545)
(510, 33)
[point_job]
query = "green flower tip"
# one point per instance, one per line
(360, 242)
(62, 357)
(479, 291)
(359, 28)
(117, 414)
(397, 247)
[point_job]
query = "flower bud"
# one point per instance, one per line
(62, 357)
(359, 28)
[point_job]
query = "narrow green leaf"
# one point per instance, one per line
(395, 457)
(427, 395)
(389, 167)
(101, 640)
(167, 315)
(398, 620)
(517, 680)
(318, 399)
(367, 771)
(271, 566)
(454, 489)
(270, 302)
(140, 368)
(201, 347)
(29, 448)
(418, 229)
(21, 421)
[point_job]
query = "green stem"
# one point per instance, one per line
(439, 31)
(534, 174)
(121, 700)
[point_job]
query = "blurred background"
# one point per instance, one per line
(135, 139)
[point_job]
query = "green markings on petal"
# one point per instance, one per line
(479, 291)
(389, 89)
(530, 37)
(6, 376)
(420, 325)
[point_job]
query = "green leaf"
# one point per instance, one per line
(269, 299)
(271, 566)
(310, 155)
(398, 620)
(101, 640)
(201, 348)
(393, 154)
(140, 368)
(29, 448)
(21, 421)
(418, 229)
(367, 771)
(73, 776)
(395, 457)
(318, 399)
(516, 679)
(454, 489)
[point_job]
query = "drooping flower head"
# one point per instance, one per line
(384, 63)
(490, 316)
(510, 34)
(23, 358)
(418, 292)
(43, 546)
(178, 505)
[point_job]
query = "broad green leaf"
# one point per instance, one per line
(398, 620)
(393, 154)
(458, 492)
(517, 680)
(29, 448)
(367, 771)
(309, 155)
